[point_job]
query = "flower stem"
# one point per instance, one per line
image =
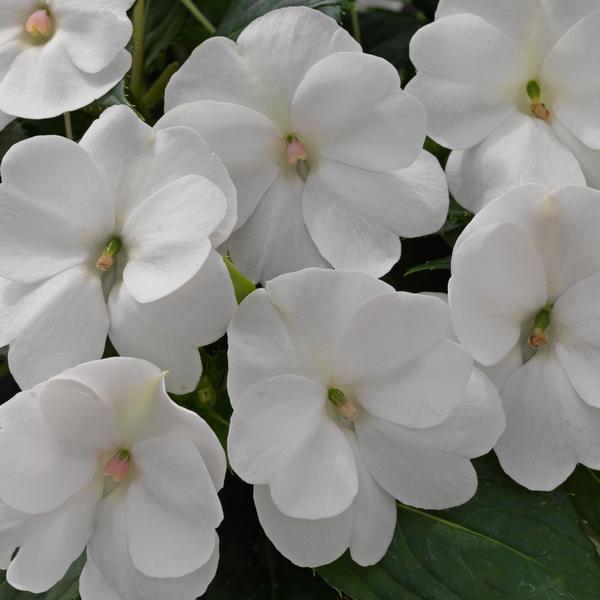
(199, 15)
(355, 23)
(157, 90)
(68, 125)
(137, 70)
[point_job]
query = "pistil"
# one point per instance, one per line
(538, 108)
(39, 24)
(107, 258)
(346, 408)
(538, 336)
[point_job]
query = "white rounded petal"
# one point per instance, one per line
(66, 326)
(249, 144)
(137, 161)
(576, 325)
(396, 356)
(522, 150)
(573, 80)
(110, 573)
(167, 237)
(275, 240)
(53, 542)
(195, 315)
(114, 5)
(29, 89)
(497, 286)
(500, 372)
(469, 77)
(55, 209)
(271, 421)
(306, 542)
(351, 108)
(172, 509)
(413, 467)
(549, 428)
(347, 235)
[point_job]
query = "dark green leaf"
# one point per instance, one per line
(115, 97)
(10, 135)
(437, 264)
(507, 543)
(584, 489)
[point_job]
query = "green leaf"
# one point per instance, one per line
(436, 264)
(10, 135)
(584, 488)
(506, 543)
(243, 12)
(114, 97)
(66, 589)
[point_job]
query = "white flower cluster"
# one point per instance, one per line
(301, 158)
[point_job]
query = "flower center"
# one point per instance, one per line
(116, 470)
(107, 258)
(538, 108)
(40, 25)
(538, 336)
(295, 154)
(345, 408)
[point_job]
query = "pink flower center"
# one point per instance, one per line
(294, 150)
(118, 465)
(39, 24)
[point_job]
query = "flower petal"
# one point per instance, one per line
(351, 107)
(68, 326)
(172, 509)
(522, 150)
(248, 143)
(497, 285)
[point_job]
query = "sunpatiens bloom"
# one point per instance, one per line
(524, 290)
(322, 144)
(346, 396)
(99, 456)
(60, 55)
(513, 88)
(113, 235)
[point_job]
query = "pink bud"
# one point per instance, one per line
(118, 466)
(295, 150)
(39, 23)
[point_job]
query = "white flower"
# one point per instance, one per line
(322, 144)
(114, 235)
(524, 290)
(347, 395)
(99, 456)
(60, 55)
(5, 120)
(514, 88)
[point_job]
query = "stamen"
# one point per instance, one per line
(345, 407)
(294, 150)
(538, 336)
(118, 466)
(39, 24)
(538, 108)
(106, 260)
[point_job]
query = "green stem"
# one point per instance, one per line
(157, 90)
(137, 70)
(68, 125)
(355, 23)
(216, 416)
(199, 15)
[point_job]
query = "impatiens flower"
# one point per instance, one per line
(60, 55)
(100, 457)
(346, 396)
(113, 235)
(524, 290)
(513, 88)
(322, 144)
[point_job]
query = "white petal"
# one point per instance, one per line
(569, 72)
(55, 209)
(172, 509)
(271, 58)
(13, 527)
(36, 95)
(522, 150)
(39, 471)
(413, 467)
(352, 109)
(167, 237)
(397, 358)
(110, 570)
(137, 161)
(54, 541)
(67, 327)
(469, 77)
(195, 315)
(497, 285)
(500, 372)
(306, 542)
(249, 144)
(576, 321)
(548, 427)
(275, 240)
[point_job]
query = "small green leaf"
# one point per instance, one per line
(506, 543)
(241, 284)
(437, 264)
(584, 488)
